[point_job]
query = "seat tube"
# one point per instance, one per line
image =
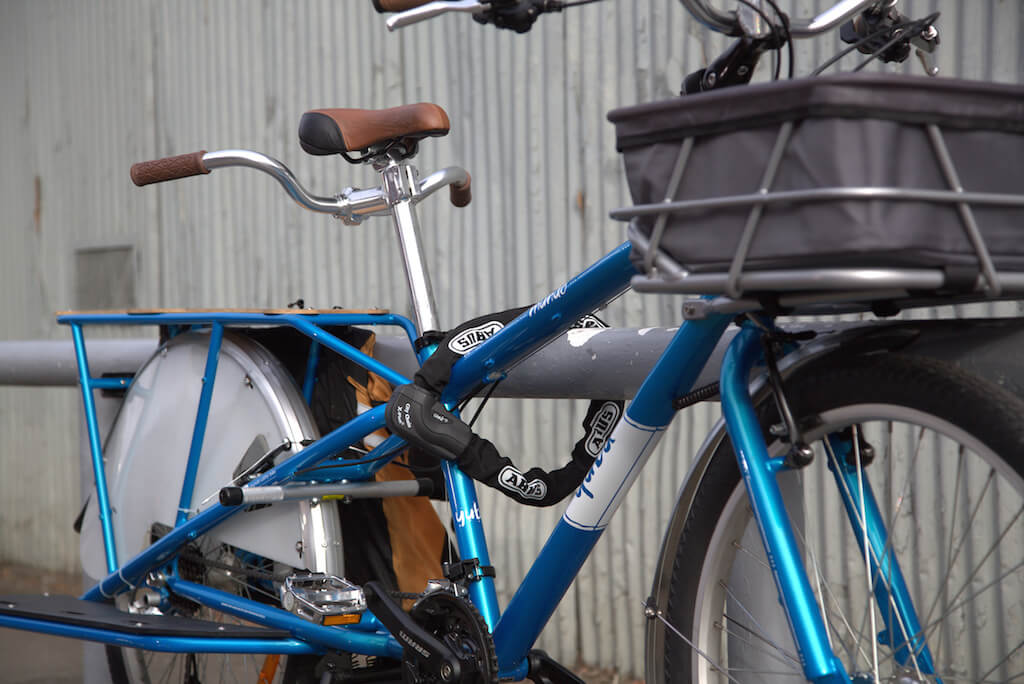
(472, 543)
(785, 558)
(400, 187)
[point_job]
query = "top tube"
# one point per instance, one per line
(553, 314)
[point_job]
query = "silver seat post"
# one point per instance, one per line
(400, 187)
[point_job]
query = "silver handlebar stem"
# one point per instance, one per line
(431, 10)
(725, 22)
(829, 19)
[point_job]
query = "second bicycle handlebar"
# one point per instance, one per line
(412, 11)
(351, 203)
(726, 22)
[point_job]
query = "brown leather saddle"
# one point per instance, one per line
(370, 131)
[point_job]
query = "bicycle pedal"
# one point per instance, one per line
(323, 599)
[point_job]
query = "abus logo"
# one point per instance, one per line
(589, 321)
(474, 337)
(606, 418)
(514, 481)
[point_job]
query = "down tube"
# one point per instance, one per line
(604, 488)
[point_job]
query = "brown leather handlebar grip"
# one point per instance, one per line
(460, 192)
(168, 168)
(397, 5)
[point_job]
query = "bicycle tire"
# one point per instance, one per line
(714, 559)
(222, 558)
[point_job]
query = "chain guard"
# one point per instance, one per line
(459, 626)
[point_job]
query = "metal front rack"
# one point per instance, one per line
(826, 288)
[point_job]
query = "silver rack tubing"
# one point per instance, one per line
(351, 203)
(725, 22)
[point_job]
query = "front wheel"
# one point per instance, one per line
(943, 454)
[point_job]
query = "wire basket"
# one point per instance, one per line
(853, 188)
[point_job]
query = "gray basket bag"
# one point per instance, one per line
(853, 187)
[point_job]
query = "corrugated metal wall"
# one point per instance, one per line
(90, 88)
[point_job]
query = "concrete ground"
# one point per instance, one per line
(29, 658)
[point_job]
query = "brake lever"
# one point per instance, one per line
(925, 44)
(431, 10)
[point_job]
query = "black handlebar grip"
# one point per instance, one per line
(460, 192)
(169, 168)
(231, 496)
(426, 486)
(397, 5)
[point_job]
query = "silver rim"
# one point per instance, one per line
(956, 515)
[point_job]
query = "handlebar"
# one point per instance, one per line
(412, 11)
(726, 22)
(422, 11)
(352, 204)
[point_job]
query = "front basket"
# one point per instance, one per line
(854, 187)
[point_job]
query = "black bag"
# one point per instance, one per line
(852, 130)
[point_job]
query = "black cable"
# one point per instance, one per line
(490, 391)
(416, 469)
(777, 68)
(700, 394)
(847, 50)
(577, 3)
(346, 464)
(912, 25)
(911, 28)
(879, 52)
(786, 36)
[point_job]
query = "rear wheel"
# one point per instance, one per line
(943, 454)
(228, 569)
(255, 410)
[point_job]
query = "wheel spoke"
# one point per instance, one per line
(1000, 663)
(760, 633)
(960, 545)
(927, 629)
(987, 555)
(754, 556)
(856, 645)
(715, 666)
(949, 558)
(951, 677)
(867, 546)
(870, 554)
(777, 654)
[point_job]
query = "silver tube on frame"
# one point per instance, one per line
(400, 188)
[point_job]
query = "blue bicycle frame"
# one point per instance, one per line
(585, 518)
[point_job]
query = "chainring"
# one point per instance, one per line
(457, 624)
